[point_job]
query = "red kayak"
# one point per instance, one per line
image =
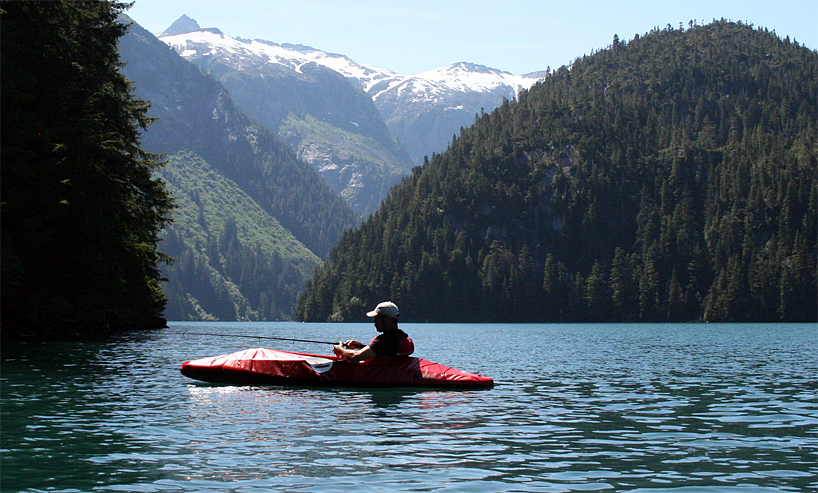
(259, 366)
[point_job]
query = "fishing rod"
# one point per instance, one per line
(262, 337)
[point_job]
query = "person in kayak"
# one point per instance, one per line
(391, 342)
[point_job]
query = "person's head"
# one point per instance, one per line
(386, 316)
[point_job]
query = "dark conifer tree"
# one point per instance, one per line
(81, 207)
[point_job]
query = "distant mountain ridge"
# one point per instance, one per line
(330, 123)
(426, 110)
(462, 76)
(284, 87)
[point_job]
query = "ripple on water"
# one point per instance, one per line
(620, 408)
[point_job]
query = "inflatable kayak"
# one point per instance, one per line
(259, 366)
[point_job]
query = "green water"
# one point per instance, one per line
(713, 408)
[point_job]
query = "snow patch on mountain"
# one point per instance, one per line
(432, 85)
(422, 110)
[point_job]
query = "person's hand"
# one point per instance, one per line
(353, 344)
(338, 350)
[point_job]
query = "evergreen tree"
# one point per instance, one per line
(81, 207)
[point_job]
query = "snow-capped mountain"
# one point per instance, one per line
(289, 87)
(331, 123)
(425, 110)
(432, 85)
(437, 84)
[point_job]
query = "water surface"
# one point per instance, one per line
(713, 408)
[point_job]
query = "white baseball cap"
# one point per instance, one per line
(387, 309)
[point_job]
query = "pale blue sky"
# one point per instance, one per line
(518, 36)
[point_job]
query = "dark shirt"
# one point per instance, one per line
(392, 343)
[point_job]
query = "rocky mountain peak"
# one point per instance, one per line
(182, 25)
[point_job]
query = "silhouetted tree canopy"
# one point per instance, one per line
(81, 209)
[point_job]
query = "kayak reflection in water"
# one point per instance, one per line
(391, 342)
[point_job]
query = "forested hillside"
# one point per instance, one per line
(253, 220)
(81, 207)
(668, 178)
(233, 261)
(195, 113)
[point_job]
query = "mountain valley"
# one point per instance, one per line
(252, 220)
(361, 127)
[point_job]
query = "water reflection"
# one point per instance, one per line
(385, 398)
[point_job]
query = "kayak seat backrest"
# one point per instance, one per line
(406, 347)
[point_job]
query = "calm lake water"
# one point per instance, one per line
(712, 408)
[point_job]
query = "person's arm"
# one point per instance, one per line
(354, 355)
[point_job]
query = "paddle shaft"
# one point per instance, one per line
(262, 337)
